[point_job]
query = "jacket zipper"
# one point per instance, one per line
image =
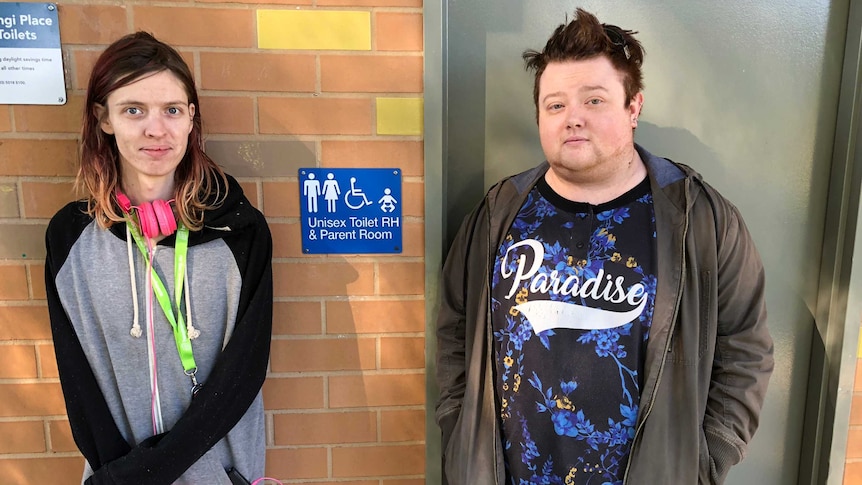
(640, 427)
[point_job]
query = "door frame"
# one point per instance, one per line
(835, 343)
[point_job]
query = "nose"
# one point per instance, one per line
(155, 126)
(574, 117)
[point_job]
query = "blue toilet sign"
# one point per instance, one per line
(350, 210)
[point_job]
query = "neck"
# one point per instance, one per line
(598, 189)
(144, 189)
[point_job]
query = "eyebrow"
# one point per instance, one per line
(582, 89)
(126, 102)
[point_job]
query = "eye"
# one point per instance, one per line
(594, 101)
(555, 106)
(133, 111)
(173, 110)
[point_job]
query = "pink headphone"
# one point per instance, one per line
(156, 217)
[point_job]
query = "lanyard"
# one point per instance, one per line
(184, 344)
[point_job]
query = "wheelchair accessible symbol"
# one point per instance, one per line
(355, 198)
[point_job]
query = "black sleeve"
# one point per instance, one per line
(93, 427)
(230, 389)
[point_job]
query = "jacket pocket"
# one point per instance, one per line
(691, 334)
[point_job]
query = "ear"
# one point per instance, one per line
(635, 108)
(101, 114)
(191, 117)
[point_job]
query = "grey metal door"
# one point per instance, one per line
(744, 91)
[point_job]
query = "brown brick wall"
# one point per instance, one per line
(345, 397)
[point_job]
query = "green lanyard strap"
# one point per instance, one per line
(181, 337)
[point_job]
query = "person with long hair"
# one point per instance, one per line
(159, 286)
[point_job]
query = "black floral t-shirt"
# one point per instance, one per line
(573, 289)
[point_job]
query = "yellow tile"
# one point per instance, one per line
(314, 30)
(399, 116)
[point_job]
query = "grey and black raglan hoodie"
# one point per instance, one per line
(94, 281)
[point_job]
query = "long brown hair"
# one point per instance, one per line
(197, 177)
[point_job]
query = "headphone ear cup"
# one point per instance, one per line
(149, 224)
(165, 216)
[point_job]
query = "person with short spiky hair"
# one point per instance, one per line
(602, 316)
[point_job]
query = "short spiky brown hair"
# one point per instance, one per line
(586, 38)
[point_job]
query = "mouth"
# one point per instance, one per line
(574, 140)
(156, 151)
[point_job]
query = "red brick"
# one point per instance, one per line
(47, 361)
(413, 239)
(371, 74)
(854, 443)
(370, 3)
(325, 428)
(56, 158)
(84, 60)
(13, 282)
(91, 24)
(404, 481)
(296, 318)
(376, 390)
(281, 199)
(44, 199)
(223, 114)
(413, 198)
(322, 279)
(323, 355)
(24, 323)
(853, 473)
(17, 362)
(402, 353)
(398, 31)
(266, 2)
(406, 155)
(856, 410)
(402, 425)
(258, 72)
(402, 278)
(61, 436)
(857, 383)
(315, 116)
(286, 240)
(293, 392)
(189, 26)
(56, 471)
(5, 118)
(31, 400)
(295, 464)
(64, 118)
(378, 461)
(37, 281)
(22, 437)
(346, 317)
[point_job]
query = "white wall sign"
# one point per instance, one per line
(31, 61)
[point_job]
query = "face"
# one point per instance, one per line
(585, 125)
(150, 119)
